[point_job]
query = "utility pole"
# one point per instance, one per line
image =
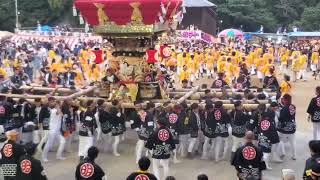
(17, 15)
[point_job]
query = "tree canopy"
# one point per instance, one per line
(272, 14)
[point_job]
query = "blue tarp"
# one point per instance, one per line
(45, 28)
(304, 34)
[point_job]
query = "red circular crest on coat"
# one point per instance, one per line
(143, 116)
(163, 135)
(318, 101)
(166, 52)
(217, 115)
(173, 118)
(142, 177)
(218, 83)
(86, 170)
(2, 110)
(265, 124)
(7, 150)
(25, 166)
(292, 110)
(148, 79)
(249, 153)
(238, 86)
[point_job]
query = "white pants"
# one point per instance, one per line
(218, 145)
(85, 142)
(316, 131)
(192, 144)
(302, 73)
(156, 167)
(139, 148)
(45, 134)
(287, 138)
(260, 75)
(183, 145)
(206, 146)
(51, 137)
(115, 145)
(314, 67)
(36, 136)
(283, 68)
(236, 143)
(266, 158)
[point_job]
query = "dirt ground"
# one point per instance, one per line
(118, 168)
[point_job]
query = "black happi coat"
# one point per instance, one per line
(141, 175)
(287, 119)
(89, 170)
(30, 168)
(194, 124)
(183, 123)
(17, 115)
(44, 117)
(239, 122)
(172, 123)
(161, 143)
(248, 162)
(145, 123)
(4, 112)
(30, 115)
(270, 82)
(219, 83)
(87, 123)
(11, 152)
(104, 119)
(314, 109)
(310, 163)
(216, 123)
(117, 122)
(267, 131)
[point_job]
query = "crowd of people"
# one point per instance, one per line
(167, 131)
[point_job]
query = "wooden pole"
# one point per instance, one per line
(81, 92)
(186, 96)
(212, 90)
(47, 89)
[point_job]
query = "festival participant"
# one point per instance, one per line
(161, 143)
(284, 58)
(29, 115)
(295, 66)
(239, 121)
(88, 124)
(54, 132)
(171, 118)
(202, 177)
(28, 167)
(144, 164)
(314, 146)
(314, 62)
(221, 121)
(194, 127)
(270, 81)
(267, 131)
(184, 74)
(103, 118)
(184, 132)
(248, 159)
(10, 154)
(44, 119)
(143, 123)
(209, 65)
(287, 125)
(303, 66)
(36, 109)
(220, 82)
(314, 114)
(208, 130)
(118, 127)
(285, 86)
(88, 169)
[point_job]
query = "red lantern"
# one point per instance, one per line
(152, 56)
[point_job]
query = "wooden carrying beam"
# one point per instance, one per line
(212, 90)
(47, 89)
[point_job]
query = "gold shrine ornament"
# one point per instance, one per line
(102, 17)
(136, 17)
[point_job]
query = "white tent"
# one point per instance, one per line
(197, 3)
(5, 35)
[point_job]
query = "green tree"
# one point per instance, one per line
(310, 19)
